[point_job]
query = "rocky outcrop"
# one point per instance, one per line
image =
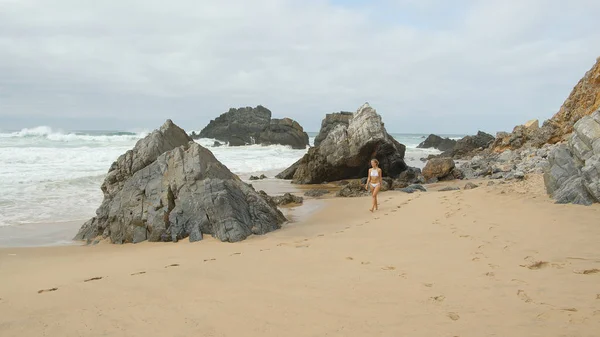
(573, 175)
(330, 122)
(284, 132)
(316, 193)
(469, 145)
(163, 190)
(248, 125)
(437, 142)
(347, 150)
(583, 100)
(440, 169)
(282, 200)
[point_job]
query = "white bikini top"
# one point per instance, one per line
(374, 173)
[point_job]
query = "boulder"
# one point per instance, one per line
(353, 189)
(448, 189)
(470, 186)
(289, 172)
(315, 193)
(347, 150)
(330, 122)
(573, 173)
(182, 192)
(437, 142)
(282, 200)
(249, 125)
(438, 169)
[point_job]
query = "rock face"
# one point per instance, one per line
(254, 126)
(469, 145)
(347, 150)
(573, 175)
(437, 142)
(164, 190)
(583, 100)
(330, 122)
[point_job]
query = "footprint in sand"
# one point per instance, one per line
(587, 271)
(535, 265)
(598, 296)
(365, 263)
(172, 265)
(235, 254)
(453, 316)
(302, 246)
(264, 250)
(438, 299)
(349, 258)
(320, 235)
(208, 260)
(523, 296)
(393, 210)
(388, 268)
(428, 285)
(93, 279)
(490, 274)
(138, 273)
(47, 290)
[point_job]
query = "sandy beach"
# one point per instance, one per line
(498, 260)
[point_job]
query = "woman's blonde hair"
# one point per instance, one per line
(375, 160)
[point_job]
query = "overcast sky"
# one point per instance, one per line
(426, 65)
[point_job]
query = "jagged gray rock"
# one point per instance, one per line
(184, 192)
(347, 150)
(573, 175)
(330, 122)
(315, 193)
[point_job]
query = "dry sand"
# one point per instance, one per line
(501, 260)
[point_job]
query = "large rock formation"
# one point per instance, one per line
(469, 145)
(168, 188)
(437, 142)
(583, 100)
(254, 126)
(347, 149)
(330, 122)
(573, 175)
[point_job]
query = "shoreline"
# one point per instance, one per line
(426, 264)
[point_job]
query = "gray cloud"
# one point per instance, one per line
(424, 65)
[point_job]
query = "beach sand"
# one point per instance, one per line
(498, 260)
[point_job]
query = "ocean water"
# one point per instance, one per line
(51, 176)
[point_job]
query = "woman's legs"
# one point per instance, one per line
(375, 192)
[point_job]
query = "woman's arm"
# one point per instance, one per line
(368, 179)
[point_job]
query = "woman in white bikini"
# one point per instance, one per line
(374, 181)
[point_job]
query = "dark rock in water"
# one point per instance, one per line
(346, 151)
(330, 122)
(248, 125)
(437, 142)
(182, 192)
(449, 188)
(262, 176)
(254, 178)
(217, 144)
(573, 174)
(353, 189)
(284, 132)
(470, 186)
(439, 169)
(316, 193)
(467, 145)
